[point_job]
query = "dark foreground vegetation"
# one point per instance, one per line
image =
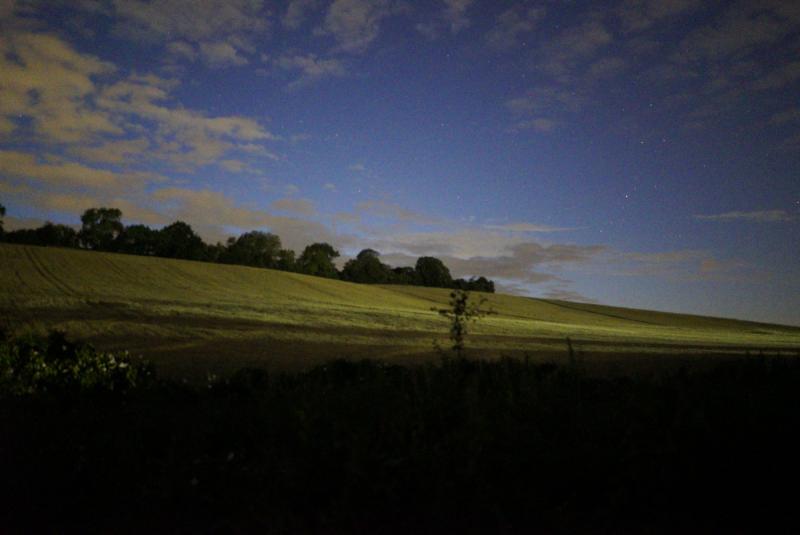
(91, 442)
(102, 230)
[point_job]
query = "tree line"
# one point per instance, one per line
(102, 229)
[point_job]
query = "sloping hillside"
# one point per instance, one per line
(198, 316)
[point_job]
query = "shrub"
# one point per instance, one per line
(37, 365)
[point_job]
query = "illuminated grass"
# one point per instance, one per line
(186, 315)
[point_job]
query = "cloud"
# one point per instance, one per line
(471, 242)
(638, 15)
(56, 172)
(48, 82)
(132, 202)
(791, 115)
(791, 144)
(78, 102)
(396, 212)
(297, 12)
(357, 167)
(213, 212)
(784, 75)
(291, 189)
(560, 55)
(513, 23)
(330, 186)
(546, 98)
(538, 124)
(606, 68)
(222, 29)
(310, 67)
(686, 264)
(745, 26)
(527, 227)
(116, 152)
(518, 263)
(185, 138)
(297, 206)
(182, 50)
(455, 13)
(221, 54)
(234, 166)
(759, 216)
(355, 24)
(452, 17)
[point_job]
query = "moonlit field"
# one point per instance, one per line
(348, 266)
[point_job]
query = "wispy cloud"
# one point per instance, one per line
(358, 167)
(355, 24)
(56, 172)
(221, 54)
(217, 31)
(637, 15)
(527, 227)
(683, 264)
(310, 67)
(213, 212)
(758, 216)
(518, 262)
(455, 14)
(90, 109)
(296, 206)
(451, 18)
(512, 24)
(297, 12)
(395, 212)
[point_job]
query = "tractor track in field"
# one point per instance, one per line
(48, 275)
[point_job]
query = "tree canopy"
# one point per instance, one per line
(432, 272)
(317, 259)
(367, 268)
(48, 234)
(179, 240)
(139, 240)
(101, 227)
(256, 248)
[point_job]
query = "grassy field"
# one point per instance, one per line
(191, 317)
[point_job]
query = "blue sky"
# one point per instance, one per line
(636, 152)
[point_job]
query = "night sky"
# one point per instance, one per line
(641, 153)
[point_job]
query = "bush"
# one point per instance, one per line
(37, 365)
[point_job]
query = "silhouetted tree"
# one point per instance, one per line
(257, 249)
(480, 284)
(317, 259)
(286, 260)
(367, 268)
(405, 275)
(2, 215)
(178, 240)
(432, 272)
(57, 235)
(215, 252)
(101, 227)
(48, 234)
(23, 236)
(139, 240)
